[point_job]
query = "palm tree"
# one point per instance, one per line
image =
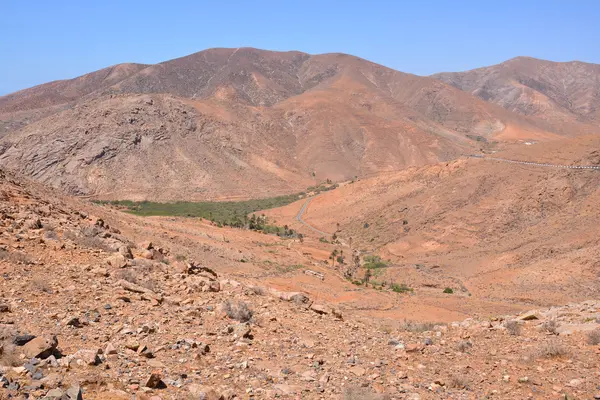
(334, 253)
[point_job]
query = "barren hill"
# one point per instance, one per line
(242, 123)
(521, 233)
(558, 92)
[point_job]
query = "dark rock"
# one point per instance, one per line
(22, 340)
(154, 381)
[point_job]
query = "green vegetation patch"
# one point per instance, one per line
(401, 288)
(374, 262)
(220, 212)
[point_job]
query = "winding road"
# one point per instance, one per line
(584, 167)
(301, 212)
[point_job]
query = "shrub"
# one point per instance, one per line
(458, 382)
(513, 327)
(374, 262)
(593, 337)
(401, 288)
(358, 393)
(550, 326)
(463, 346)
(238, 311)
(41, 283)
(14, 257)
(552, 349)
(417, 327)
(448, 290)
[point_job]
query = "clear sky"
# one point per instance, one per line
(44, 40)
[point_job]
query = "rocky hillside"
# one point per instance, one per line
(558, 92)
(242, 123)
(496, 231)
(149, 325)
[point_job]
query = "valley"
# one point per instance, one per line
(251, 224)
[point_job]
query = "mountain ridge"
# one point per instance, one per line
(246, 122)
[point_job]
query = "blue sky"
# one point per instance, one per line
(44, 40)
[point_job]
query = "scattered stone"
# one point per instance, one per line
(87, 357)
(40, 347)
(319, 309)
(154, 381)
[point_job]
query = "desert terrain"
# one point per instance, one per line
(422, 237)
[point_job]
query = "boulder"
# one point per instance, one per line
(40, 347)
(117, 261)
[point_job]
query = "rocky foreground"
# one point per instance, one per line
(87, 314)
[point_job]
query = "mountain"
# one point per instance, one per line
(243, 123)
(558, 92)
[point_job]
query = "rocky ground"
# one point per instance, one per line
(87, 313)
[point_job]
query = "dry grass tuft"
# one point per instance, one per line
(41, 283)
(358, 393)
(513, 327)
(463, 346)
(593, 337)
(238, 311)
(550, 326)
(552, 349)
(417, 327)
(458, 382)
(14, 257)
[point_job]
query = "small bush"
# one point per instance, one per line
(513, 327)
(14, 257)
(257, 290)
(401, 288)
(458, 382)
(448, 290)
(463, 346)
(593, 337)
(238, 311)
(552, 350)
(550, 326)
(417, 327)
(41, 283)
(374, 262)
(358, 393)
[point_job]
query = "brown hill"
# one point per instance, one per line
(242, 123)
(523, 234)
(557, 92)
